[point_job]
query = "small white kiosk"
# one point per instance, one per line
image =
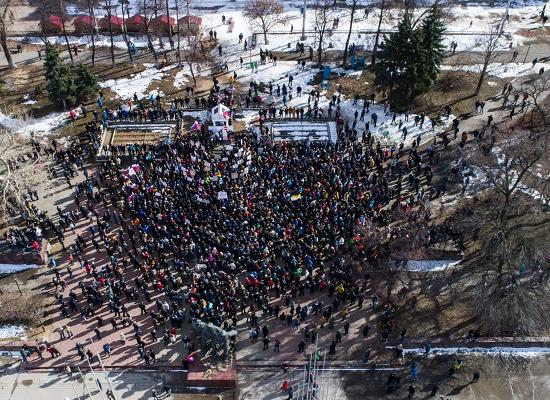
(221, 121)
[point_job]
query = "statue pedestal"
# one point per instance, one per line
(216, 379)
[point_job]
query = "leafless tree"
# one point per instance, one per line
(537, 91)
(405, 237)
(490, 44)
(377, 37)
(149, 9)
(323, 16)
(6, 19)
(63, 16)
(44, 8)
(109, 7)
(265, 14)
(91, 5)
(196, 53)
(352, 17)
(509, 232)
(125, 3)
(21, 168)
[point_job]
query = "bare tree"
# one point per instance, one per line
(108, 6)
(21, 168)
(124, 30)
(6, 19)
(44, 8)
(91, 4)
(196, 53)
(490, 43)
(63, 15)
(537, 91)
(265, 14)
(377, 37)
(323, 16)
(509, 229)
(352, 16)
(148, 9)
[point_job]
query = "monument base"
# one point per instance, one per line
(199, 376)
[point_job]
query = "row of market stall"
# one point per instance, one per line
(135, 24)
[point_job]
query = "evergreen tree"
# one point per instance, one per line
(86, 82)
(433, 29)
(400, 67)
(61, 86)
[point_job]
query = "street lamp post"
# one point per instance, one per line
(101, 364)
(96, 379)
(85, 384)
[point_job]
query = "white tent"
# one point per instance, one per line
(221, 121)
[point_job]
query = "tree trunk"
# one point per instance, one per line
(158, 26)
(192, 73)
(345, 57)
(377, 38)
(169, 26)
(4, 42)
(92, 18)
(155, 56)
(265, 38)
(124, 34)
(111, 36)
(481, 78)
(67, 40)
(320, 48)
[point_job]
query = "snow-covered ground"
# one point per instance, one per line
(491, 351)
(13, 331)
(464, 24)
(430, 265)
(11, 268)
(501, 70)
(384, 130)
(34, 126)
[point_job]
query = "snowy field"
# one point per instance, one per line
(388, 133)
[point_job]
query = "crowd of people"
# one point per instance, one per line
(252, 230)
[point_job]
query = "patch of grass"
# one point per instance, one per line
(353, 85)
(21, 309)
(456, 88)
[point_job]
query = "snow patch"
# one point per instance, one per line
(180, 79)
(501, 70)
(430, 265)
(27, 99)
(136, 83)
(11, 268)
(13, 331)
(37, 126)
(490, 351)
